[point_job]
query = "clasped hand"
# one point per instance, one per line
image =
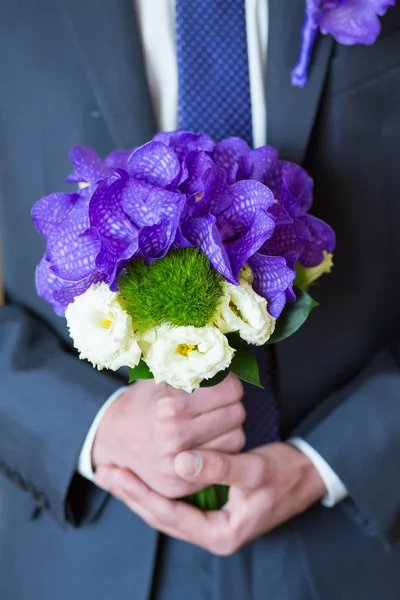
(187, 442)
(149, 425)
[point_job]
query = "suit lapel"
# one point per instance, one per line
(107, 37)
(292, 111)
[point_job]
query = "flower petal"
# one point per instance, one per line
(183, 142)
(249, 197)
(155, 163)
(116, 236)
(145, 204)
(118, 159)
(66, 295)
(264, 166)
(276, 304)
(259, 231)
(228, 153)
(112, 254)
(52, 209)
(72, 256)
(156, 212)
(106, 212)
(272, 277)
(88, 165)
(202, 232)
(297, 189)
(322, 237)
(197, 163)
(354, 21)
(287, 240)
(217, 196)
(154, 241)
(47, 283)
(280, 214)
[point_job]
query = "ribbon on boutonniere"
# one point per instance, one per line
(348, 21)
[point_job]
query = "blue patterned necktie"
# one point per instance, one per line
(214, 90)
(214, 98)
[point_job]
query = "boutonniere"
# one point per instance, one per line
(348, 21)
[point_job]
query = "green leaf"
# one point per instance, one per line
(293, 316)
(141, 371)
(215, 380)
(244, 364)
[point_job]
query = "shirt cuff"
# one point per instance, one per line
(85, 465)
(336, 490)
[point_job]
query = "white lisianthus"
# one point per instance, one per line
(244, 311)
(246, 274)
(306, 276)
(102, 330)
(184, 356)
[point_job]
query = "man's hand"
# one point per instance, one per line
(148, 425)
(269, 486)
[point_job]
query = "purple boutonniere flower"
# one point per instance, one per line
(348, 21)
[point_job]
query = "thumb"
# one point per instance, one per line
(245, 471)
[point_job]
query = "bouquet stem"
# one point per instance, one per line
(211, 498)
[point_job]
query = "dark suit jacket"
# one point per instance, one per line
(71, 71)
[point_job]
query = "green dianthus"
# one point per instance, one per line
(181, 289)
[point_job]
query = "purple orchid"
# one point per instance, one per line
(90, 168)
(93, 233)
(237, 205)
(183, 142)
(294, 236)
(226, 219)
(348, 21)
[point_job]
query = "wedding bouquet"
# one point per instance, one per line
(172, 258)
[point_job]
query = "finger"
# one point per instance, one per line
(231, 442)
(245, 471)
(116, 481)
(173, 518)
(102, 476)
(227, 392)
(211, 425)
(176, 403)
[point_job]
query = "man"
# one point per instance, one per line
(74, 72)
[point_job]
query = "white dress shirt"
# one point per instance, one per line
(157, 25)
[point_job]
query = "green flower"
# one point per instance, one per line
(181, 289)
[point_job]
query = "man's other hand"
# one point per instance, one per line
(268, 486)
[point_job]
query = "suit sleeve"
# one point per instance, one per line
(48, 400)
(357, 431)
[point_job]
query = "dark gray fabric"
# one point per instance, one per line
(362, 416)
(322, 555)
(72, 71)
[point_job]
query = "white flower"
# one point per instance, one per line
(242, 310)
(246, 274)
(306, 276)
(102, 330)
(184, 356)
